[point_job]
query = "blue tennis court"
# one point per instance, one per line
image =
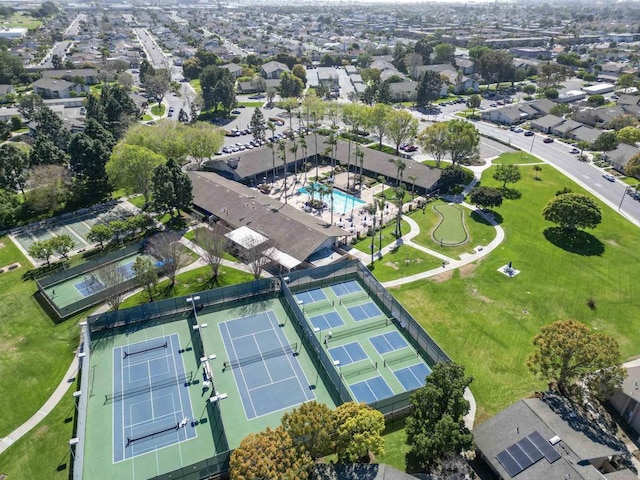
(126, 270)
(151, 402)
(89, 286)
(412, 377)
(327, 321)
(371, 390)
(364, 311)
(388, 342)
(346, 288)
(265, 365)
(311, 296)
(349, 353)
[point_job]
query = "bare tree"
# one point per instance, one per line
(113, 278)
(213, 242)
(258, 256)
(146, 274)
(167, 249)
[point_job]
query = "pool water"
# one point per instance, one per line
(342, 202)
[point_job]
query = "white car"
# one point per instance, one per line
(609, 177)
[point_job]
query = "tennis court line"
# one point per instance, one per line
(250, 334)
(273, 383)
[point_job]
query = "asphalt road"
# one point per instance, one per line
(586, 174)
(154, 53)
(61, 49)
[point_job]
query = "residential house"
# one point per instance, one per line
(50, 88)
(620, 156)
(518, 113)
(88, 75)
(466, 65)
(600, 116)
(565, 128)
(404, 91)
(452, 77)
(327, 76)
(627, 400)
(273, 70)
(6, 90)
(546, 438)
(547, 123)
(585, 134)
(234, 69)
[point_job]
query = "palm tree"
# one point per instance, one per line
(272, 126)
(413, 179)
(381, 202)
(294, 149)
(330, 193)
(314, 115)
(282, 153)
(360, 158)
(303, 145)
(372, 209)
(332, 141)
(382, 180)
(311, 190)
(399, 201)
(537, 169)
(400, 166)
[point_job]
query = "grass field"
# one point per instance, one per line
(480, 231)
(35, 352)
(516, 158)
(44, 451)
(487, 321)
(252, 104)
(388, 237)
(403, 262)
(195, 280)
(20, 20)
(451, 228)
(195, 83)
(157, 111)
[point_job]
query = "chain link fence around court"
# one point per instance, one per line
(61, 276)
(77, 443)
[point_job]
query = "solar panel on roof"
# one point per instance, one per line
(509, 463)
(526, 452)
(550, 453)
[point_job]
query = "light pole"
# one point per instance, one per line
(533, 137)
(624, 194)
(192, 300)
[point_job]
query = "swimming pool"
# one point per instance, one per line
(342, 202)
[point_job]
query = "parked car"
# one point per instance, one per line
(548, 140)
(235, 112)
(609, 177)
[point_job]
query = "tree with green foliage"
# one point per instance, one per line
(359, 431)
(269, 454)
(486, 197)
(444, 53)
(50, 126)
(290, 85)
(622, 121)
(300, 72)
(14, 168)
(433, 140)
(629, 135)
(398, 201)
(429, 88)
(606, 142)
(165, 138)
(218, 88)
(49, 188)
(41, 250)
(257, 124)
(435, 428)
(529, 89)
(451, 176)
(203, 140)
(157, 85)
(146, 274)
(507, 174)
(12, 71)
(377, 121)
(633, 167)
(311, 426)
(627, 80)
(496, 66)
(474, 102)
(478, 51)
(61, 245)
(401, 127)
(131, 168)
(572, 211)
(551, 74)
(569, 352)
(462, 140)
(9, 207)
(100, 233)
(171, 189)
(424, 48)
(596, 100)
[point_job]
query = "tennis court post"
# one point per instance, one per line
(192, 300)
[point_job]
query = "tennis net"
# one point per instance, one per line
(349, 332)
(144, 350)
(317, 306)
(352, 300)
(169, 382)
(399, 359)
(277, 352)
(172, 428)
(359, 370)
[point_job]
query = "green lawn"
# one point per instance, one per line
(403, 262)
(252, 104)
(451, 229)
(388, 237)
(196, 280)
(514, 158)
(395, 446)
(44, 451)
(195, 83)
(633, 181)
(191, 236)
(146, 117)
(35, 352)
(21, 20)
(479, 230)
(138, 201)
(487, 321)
(158, 111)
